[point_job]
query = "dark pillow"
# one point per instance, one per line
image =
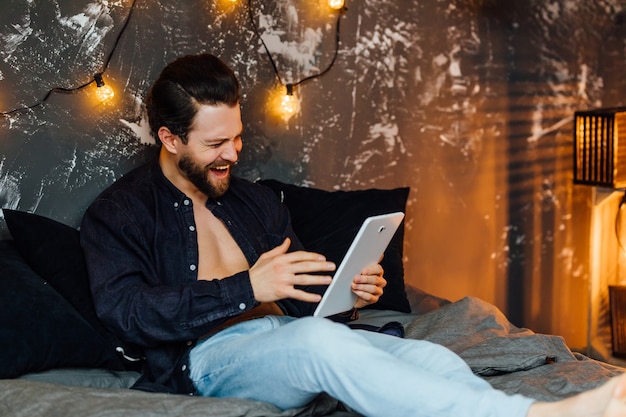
(39, 329)
(327, 222)
(52, 249)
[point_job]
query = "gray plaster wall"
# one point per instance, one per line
(468, 102)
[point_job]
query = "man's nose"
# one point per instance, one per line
(231, 151)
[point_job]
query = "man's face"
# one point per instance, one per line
(213, 147)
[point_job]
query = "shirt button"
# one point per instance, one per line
(189, 343)
(176, 204)
(192, 228)
(242, 306)
(192, 267)
(184, 368)
(186, 202)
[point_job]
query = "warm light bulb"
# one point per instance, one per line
(104, 92)
(283, 105)
(289, 104)
(336, 4)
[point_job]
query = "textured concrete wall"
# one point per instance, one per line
(468, 102)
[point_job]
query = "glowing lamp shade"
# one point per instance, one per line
(336, 4)
(600, 147)
(104, 92)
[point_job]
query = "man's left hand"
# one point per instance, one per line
(368, 286)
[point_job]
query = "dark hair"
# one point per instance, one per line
(182, 86)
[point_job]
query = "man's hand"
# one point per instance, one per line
(276, 273)
(368, 286)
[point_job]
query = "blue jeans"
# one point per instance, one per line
(288, 362)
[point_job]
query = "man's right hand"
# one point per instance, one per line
(276, 273)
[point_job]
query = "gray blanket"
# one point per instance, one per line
(512, 359)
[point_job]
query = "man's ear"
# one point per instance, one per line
(168, 139)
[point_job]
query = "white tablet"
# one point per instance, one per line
(366, 249)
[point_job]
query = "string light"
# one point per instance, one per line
(289, 105)
(103, 92)
(336, 4)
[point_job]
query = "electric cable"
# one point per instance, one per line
(96, 77)
(273, 63)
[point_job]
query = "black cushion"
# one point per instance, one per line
(327, 221)
(39, 329)
(52, 249)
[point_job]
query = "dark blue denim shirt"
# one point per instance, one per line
(141, 250)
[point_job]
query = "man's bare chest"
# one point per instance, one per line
(219, 255)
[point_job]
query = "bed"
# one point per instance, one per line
(56, 358)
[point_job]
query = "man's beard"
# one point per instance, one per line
(199, 177)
